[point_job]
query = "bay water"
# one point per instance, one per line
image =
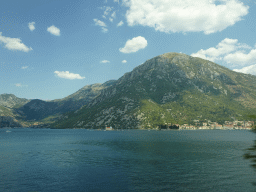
(126, 160)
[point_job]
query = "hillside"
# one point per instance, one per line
(11, 101)
(33, 112)
(170, 88)
(38, 110)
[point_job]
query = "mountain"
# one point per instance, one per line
(38, 110)
(11, 101)
(170, 88)
(35, 111)
(8, 102)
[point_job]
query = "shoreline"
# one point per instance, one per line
(155, 129)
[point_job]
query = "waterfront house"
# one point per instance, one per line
(109, 128)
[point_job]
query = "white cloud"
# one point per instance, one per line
(101, 24)
(248, 70)
(105, 61)
(67, 75)
(231, 52)
(124, 61)
(133, 45)
(120, 24)
(14, 44)
(54, 30)
(107, 13)
(117, 1)
(104, 30)
(225, 46)
(24, 67)
(31, 26)
(113, 15)
(241, 58)
(223, 51)
(209, 16)
(107, 10)
(20, 85)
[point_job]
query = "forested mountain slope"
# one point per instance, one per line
(170, 88)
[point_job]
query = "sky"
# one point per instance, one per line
(50, 49)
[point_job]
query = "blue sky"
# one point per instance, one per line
(49, 49)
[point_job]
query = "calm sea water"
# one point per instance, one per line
(130, 160)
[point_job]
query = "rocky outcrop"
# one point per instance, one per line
(11, 101)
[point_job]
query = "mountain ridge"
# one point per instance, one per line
(35, 111)
(169, 88)
(171, 80)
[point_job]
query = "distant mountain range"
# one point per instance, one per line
(170, 88)
(37, 112)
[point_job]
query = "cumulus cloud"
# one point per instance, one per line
(185, 16)
(101, 24)
(124, 61)
(24, 67)
(105, 61)
(31, 26)
(232, 54)
(14, 44)
(54, 30)
(248, 70)
(241, 58)
(120, 24)
(225, 46)
(133, 45)
(223, 51)
(68, 75)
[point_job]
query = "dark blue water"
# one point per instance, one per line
(131, 160)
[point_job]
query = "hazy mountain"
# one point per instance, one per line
(37, 109)
(29, 112)
(8, 102)
(170, 88)
(11, 101)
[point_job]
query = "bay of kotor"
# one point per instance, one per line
(128, 160)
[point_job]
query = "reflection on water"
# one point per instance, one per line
(130, 160)
(251, 153)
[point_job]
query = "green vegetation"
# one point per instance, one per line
(172, 88)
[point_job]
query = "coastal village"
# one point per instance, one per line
(210, 125)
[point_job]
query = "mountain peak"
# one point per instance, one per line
(170, 88)
(10, 100)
